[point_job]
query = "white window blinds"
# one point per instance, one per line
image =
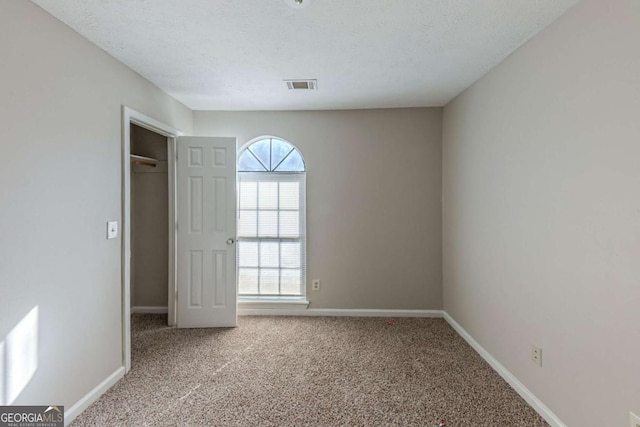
(271, 234)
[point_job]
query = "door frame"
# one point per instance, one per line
(129, 117)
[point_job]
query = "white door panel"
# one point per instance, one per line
(206, 203)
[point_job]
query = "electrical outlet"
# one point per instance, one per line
(536, 355)
(315, 285)
(634, 420)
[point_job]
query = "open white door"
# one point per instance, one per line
(206, 250)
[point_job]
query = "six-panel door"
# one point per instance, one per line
(206, 250)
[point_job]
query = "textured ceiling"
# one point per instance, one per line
(234, 54)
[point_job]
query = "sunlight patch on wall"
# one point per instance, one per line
(19, 357)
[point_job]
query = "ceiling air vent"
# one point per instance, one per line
(302, 84)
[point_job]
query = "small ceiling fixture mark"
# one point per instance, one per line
(298, 4)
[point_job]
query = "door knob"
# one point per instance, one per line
(230, 241)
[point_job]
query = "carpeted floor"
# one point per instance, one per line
(307, 371)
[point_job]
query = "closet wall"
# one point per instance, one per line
(150, 221)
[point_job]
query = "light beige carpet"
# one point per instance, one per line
(306, 371)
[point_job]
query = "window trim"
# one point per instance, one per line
(275, 302)
(279, 301)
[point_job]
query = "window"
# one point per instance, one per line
(271, 220)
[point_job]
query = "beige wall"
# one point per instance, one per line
(373, 200)
(150, 221)
(542, 212)
(60, 181)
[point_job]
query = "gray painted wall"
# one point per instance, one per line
(373, 200)
(150, 221)
(542, 213)
(60, 182)
(541, 234)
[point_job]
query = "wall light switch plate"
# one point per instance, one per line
(634, 420)
(112, 229)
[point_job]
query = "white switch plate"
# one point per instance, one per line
(634, 420)
(315, 285)
(112, 229)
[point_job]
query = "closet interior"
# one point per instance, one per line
(149, 221)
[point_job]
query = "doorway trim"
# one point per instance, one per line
(129, 117)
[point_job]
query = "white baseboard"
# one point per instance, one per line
(520, 388)
(149, 309)
(338, 312)
(92, 396)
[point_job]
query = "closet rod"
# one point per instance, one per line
(141, 160)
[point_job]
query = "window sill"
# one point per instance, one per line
(282, 303)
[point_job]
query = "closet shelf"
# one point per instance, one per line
(142, 160)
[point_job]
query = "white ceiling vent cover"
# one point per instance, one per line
(302, 84)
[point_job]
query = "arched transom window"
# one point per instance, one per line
(270, 155)
(271, 219)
